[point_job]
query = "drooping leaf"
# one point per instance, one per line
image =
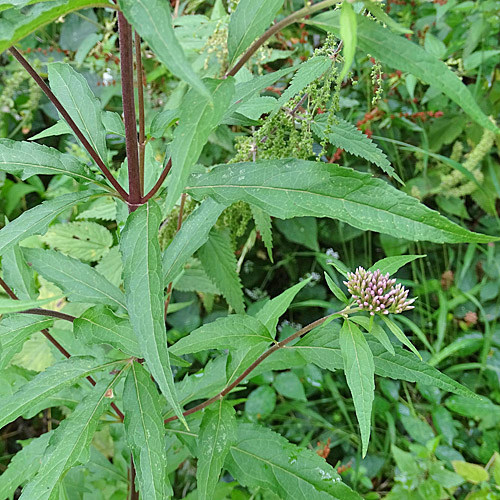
(15, 25)
(335, 289)
(263, 458)
(143, 279)
(153, 21)
(248, 21)
(359, 371)
(26, 159)
(37, 219)
(192, 235)
(263, 226)
(75, 95)
(392, 265)
(345, 135)
(217, 433)
(99, 325)
(348, 34)
(293, 188)
(79, 281)
(145, 432)
(232, 331)
(11, 306)
(69, 446)
(374, 329)
(18, 274)
(199, 115)
(52, 380)
(399, 334)
(218, 260)
(399, 53)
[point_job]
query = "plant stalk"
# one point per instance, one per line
(140, 104)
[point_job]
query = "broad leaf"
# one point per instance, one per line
(18, 274)
(392, 265)
(218, 260)
(198, 118)
(145, 432)
(217, 433)
(69, 446)
(192, 235)
(345, 135)
(248, 21)
(75, 95)
(52, 380)
(143, 279)
(79, 281)
(399, 53)
(99, 325)
(26, 159)
(11, 306)
(37, 219)
(232, 331)
(16, 24)
(153, 21)
(263, 458)
(359, 371)
(294, 188)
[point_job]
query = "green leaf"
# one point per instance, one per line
(262, 458)
(399, 334)
(69, 446)
(248, 21)
(79, 281)
(260, 403)
(143, 279)
(99, 325)
(145, 432)
(319, 190)
(24, 465)
(153, 21)
(399, 53)
(336, 290)
(217, 433)
(392, 265)
(359, 370)
(16, 24)
(10, 306)
(163, 121)
(386, 19)
(371, 326)
(348, 34)
(290, 386)
(37, 219)
(301, 230)
(232, 331)
(52, 380)
(18, 274)
(26, 159)
(59, 128)
(271, 312)
(75, 95)
(199, 115)
(263, 226)
(192, 235)
(218, 260)
(15, 329)
(86, 241)
(472, 473)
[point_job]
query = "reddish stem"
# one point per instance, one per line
(159, 182)
(140, 104)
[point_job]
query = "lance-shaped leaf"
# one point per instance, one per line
(75, 95)
(359, 371)
(293, 188)
(16, 24)
(37, 219)
(392, 265)
(236, 330)
(199, 116)
(18, 274)
(69, 446)
(217, 433)
(24, 465)
(143, 279)
(79, 281)
(218, 260)
(399, 53)
(145, 432)
(248, 21)
(263, 226)
(10, 306)
(26, 159)
(192, 235)
(153, 21)
(263, 458)
(348, 34)
(52, 380)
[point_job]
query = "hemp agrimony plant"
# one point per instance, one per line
(115, 368)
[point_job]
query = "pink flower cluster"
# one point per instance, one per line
(376, 293)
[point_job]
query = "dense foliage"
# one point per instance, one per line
(249, 249)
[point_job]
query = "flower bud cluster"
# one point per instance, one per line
(376, 293)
